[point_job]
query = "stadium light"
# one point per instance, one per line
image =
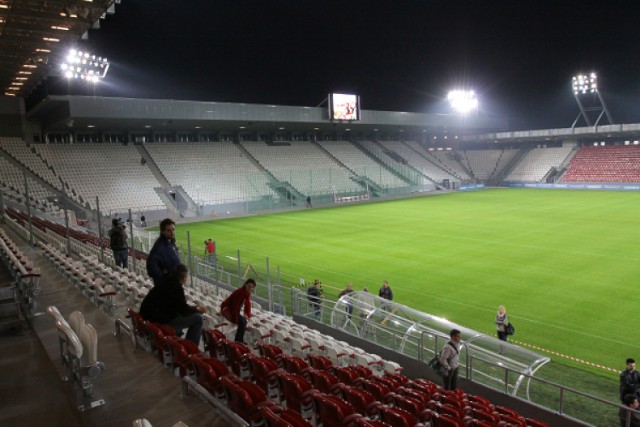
(583, 84)
(463, 101)
(589, 100)
(85, 66)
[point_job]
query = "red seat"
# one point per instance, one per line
(212, 339)
(208, 371)
(243, 397)
(138, 327)
(346, 374)
(293, 364)
(414, 394)
(485, 416)
(357, 397)
(362, 371)
(409, 404)
(388, 382)
(319, 362)
(512, 421)
(180, 349)
(157, 342)
(271, 351)
(277, 416)
(377, 390)
(399, 378)
(395, 416)
(321, 380)
(234, 352)
(443, 420)
(292, 388)
(261, 369)
(330, 409)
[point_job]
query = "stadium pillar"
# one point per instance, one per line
(26, 194)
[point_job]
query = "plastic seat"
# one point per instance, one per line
(261, 369)
(292, 387)
(395, 416)
(271, 351)
(208, 371)
(331, 410)
(319, 362)
(276, 416)
(321, 380)
(293, 364)
(234, 353)
(409, 404)
(243, 397)
(377, 390)
(212, 339)
(357, 397)
(180, 349)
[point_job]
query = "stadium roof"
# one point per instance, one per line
(35, 33)
(96, 114)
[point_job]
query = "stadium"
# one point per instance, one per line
(459, 213)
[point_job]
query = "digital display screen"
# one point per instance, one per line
(344, 107)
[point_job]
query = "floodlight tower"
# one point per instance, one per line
(585, 89)
(463, 101)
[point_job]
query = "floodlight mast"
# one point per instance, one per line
(582, 86)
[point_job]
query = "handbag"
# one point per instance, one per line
(510, 329)
(435, 362)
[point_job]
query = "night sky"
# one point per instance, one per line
(401, 55)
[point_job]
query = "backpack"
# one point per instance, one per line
(435, 362)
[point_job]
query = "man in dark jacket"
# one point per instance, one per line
(629, 380)
(118, 242)
(166, 303)
(163, 257)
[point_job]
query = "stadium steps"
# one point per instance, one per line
(153, 166)
(381, 162)
(331, 156)
(506, 170)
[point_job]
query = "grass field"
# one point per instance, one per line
(565, 263)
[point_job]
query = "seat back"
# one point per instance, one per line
(293, 364)
(358, 398)
(331, 410)
(74, 346)
(234, 352)
(53, 311)
(76, 319)
(271, 351)
(319, 362)
(397, 417)
(322, 380)
(89, 339)
(292, 386)
(261, 369)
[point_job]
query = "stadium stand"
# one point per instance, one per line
(304, 166)
(485, 164)
(210, 172)
(361, 164)
(616, 163)
(537, 163)
(105, 170)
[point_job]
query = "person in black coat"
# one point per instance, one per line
(166, 303)
(163, 257)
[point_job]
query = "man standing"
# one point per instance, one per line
(629, 380)
(349, 306)
(385, 293)
(143, 221)
(211, 249)
(313, 296)
(118, 238)
(449, 360)
(163, 257)
(231, 307)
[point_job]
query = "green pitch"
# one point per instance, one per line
(565, 263)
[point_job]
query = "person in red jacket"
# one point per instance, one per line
(231, 307)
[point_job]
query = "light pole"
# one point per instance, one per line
(589, 99)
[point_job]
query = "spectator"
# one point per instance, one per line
(231, 307)
(630, 402)
(368, 303)
(163, 257)
(385, 293)
(502, 320)
(314, 295)
(118, 238)
(211, 248)
(449, 360)
(143, 220)
(349, 305)
(166, 303)
(629, 380)
(308, 201)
